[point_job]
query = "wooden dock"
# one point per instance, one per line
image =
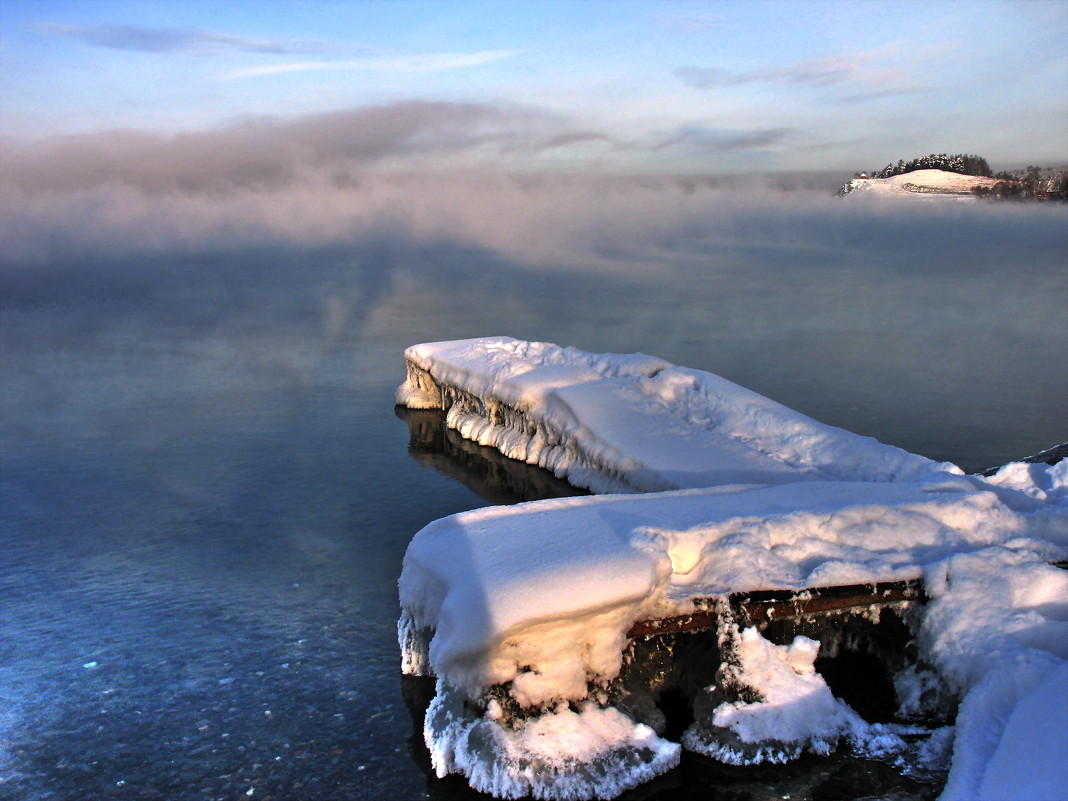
(758, 607)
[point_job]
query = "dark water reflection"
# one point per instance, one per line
(206, 495)
(485, 471)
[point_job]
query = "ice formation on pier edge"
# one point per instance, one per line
(522, 612)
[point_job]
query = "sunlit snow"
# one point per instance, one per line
(626, 423)
(919, 184)
(536, 600)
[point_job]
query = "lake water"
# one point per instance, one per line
(207, 492)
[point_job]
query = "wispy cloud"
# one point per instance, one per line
(576, 138)
(695, 22)
(426, 62)
(877, 73)
(724, 140)
(173, 40)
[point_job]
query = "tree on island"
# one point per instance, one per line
(1034, 183)
(961, 163)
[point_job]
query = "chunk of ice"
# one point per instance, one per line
(792, 708)
(560, 754)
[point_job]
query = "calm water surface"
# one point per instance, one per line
(207, 493)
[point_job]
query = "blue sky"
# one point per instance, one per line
(612, 86)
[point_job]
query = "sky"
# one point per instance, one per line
(618, 87)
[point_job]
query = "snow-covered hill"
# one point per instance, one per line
(920, 183)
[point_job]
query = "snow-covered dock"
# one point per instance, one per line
(634, 423)
(531, 616)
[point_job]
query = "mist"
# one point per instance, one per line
(503, 177)
(273, 245)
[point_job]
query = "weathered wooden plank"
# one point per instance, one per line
(750, 608)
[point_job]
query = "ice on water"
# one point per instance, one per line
(524, 611)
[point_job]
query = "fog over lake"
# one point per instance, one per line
(221, 224)
(207, 493)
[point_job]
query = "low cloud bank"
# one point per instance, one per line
(426, 173)
(265, 154)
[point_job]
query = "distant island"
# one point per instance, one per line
(961, 175)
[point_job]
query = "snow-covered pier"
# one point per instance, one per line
(634, 423)
(535, 619)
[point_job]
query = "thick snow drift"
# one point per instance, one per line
(998, 634)
(626, 423)
(541, 595)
